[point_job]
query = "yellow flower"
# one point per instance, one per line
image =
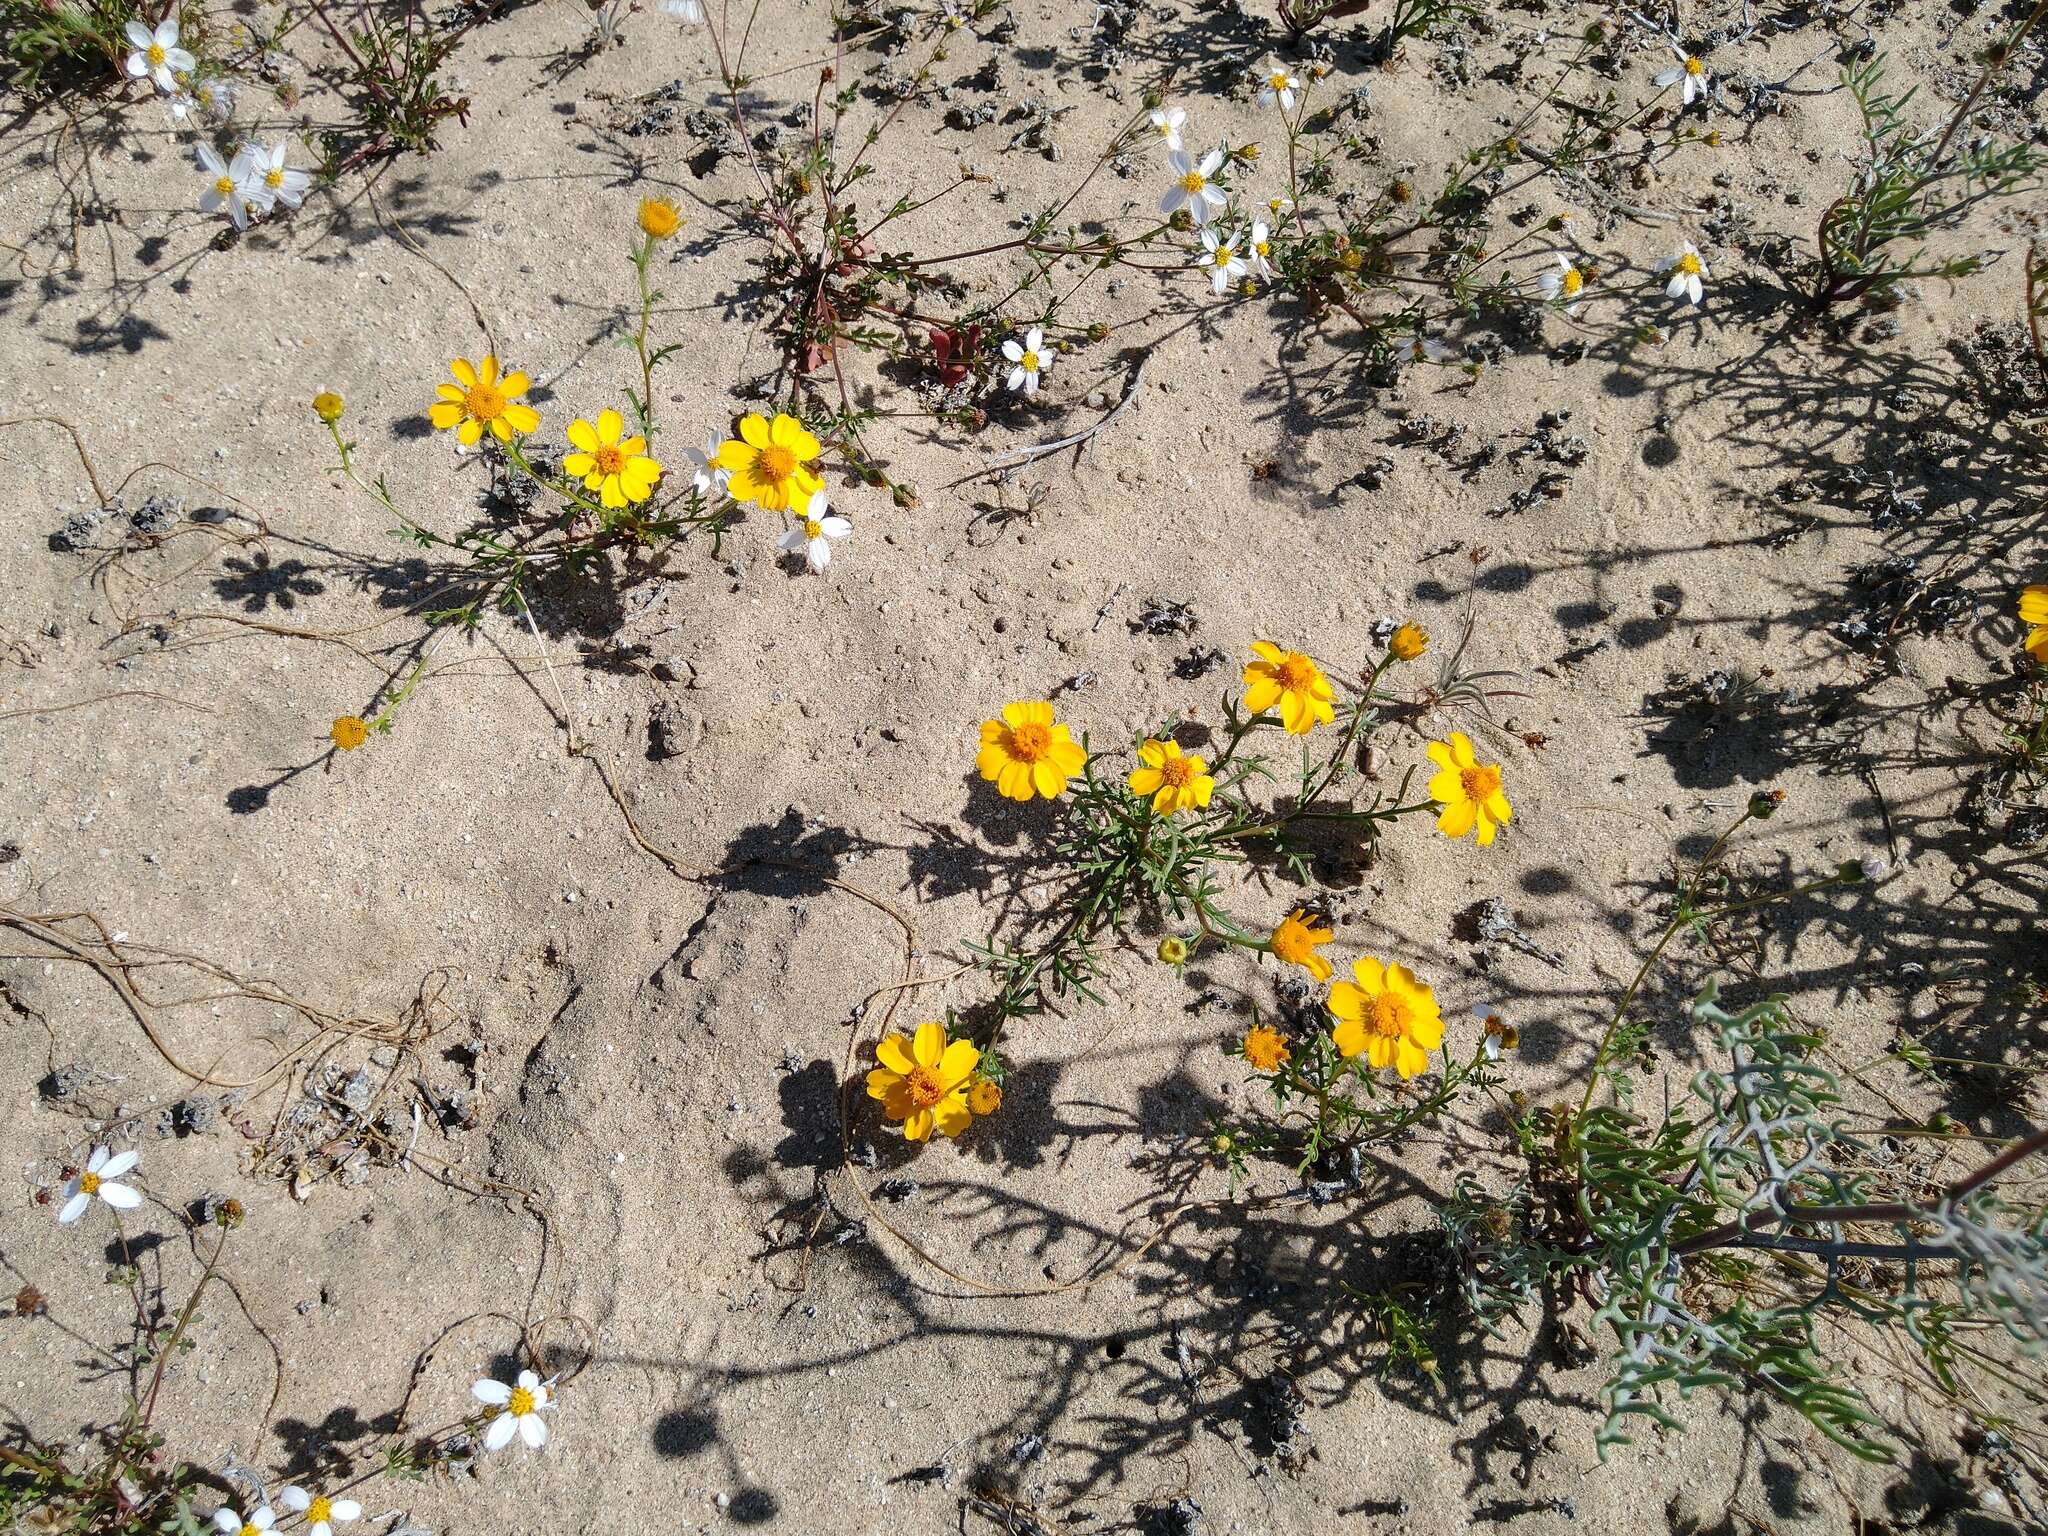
(349, 732)
(923, 1081)
(1296, 941)
(1293, 682)
(1408, 642)
(1264, 1050)
(984, 1097)
(483, 400)
(771, 462)
(1025, 753)
(1388, 1015)
(2034, 611)
(1468, 790)
(1173, 950)
(1175, 782)
(618, 471)
(658, 217)
(327, 406)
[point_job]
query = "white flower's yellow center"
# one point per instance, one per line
(1224, 255)
(611, 458)
(1262, 248)
(88, 1183)
(774, 464)
(484, 402)
(1479, 783)
(1689, 264)
(223, 186)
(520, 1403)
(1694, 67)
(1279, 82)
(156, 54)
(813, 529)
(1028, 362)
(925, 1087)
(1164, 125)
(1193, 183)
(252, 1529)
(273, 178)
(1571, 280)
(322, 1508)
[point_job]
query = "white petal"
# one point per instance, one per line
(1035, 340)
(1030, 383)
(531, 1382)
(74, 1208)
(319, 1528)
(98, 1160)
(1016, 379)
(1013, 351)
(533, 1429)
(1667, 77)
(120, 1196)
(1212, 163)
(1170, 203)
(180, 61)
(118, 1164)
(495, 1393)
(167, 33)
(346, 1509)
(835, 527)
(818, 556)
(138, 34)
(137, 66)
(817, 505)
(792, 541)
(227, 1520)
(264, 1518)
(210, 161)
(500, 1434)
(296, 1499)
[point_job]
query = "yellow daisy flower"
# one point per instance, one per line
(327, 405)
(1408, 642)
(349, 732)
(1291, 681)
(618, 471)
(1387, 1015)
(1468, 790)
(1024, 753)
(923, 1081)
(658, 217)
(1296, 941)
(1264, 1049)
(772, 462)
(2034, 611)
(483, 400)
(1176, 782)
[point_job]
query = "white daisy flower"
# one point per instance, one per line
(1167, 122)
(1027, 361)
(101, 1170)
(1220, 260)
(229, 185)
(689, 12)
(157, 55)
(1497, 1035)
(522, 1402)
(215, 98)
(707, 478)
(322, 1513)
(1276, 84)
(182, 107)
(1564, 282)
(1427, 349)
(270, 181)
(228, 1523)
(1261, 260)
(1692, 70)
(1280, 207)
(812, 537)
(1192, 188)
(1687, 270)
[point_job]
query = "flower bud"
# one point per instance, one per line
(1173, 950)
(1763, 805)
(327, 405)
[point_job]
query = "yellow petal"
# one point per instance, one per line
(1146, 780)
(1047, 779)
(583, 435)
(513, 385)
(1015, 781)
(520, 418)
(609, 425)
(468, 433)
(893, 1052)
(464, 374)
(754, 429)
(952, 1115)
(1458, 818)
(961, 1058)
(578, 464)
(929, 1045)
(444, 415)
(918, 1126)
(1349, 1037)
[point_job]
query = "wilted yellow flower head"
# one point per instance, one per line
(1293, 683)
(1296, 941)
(984, 1097)
(1387, 1015)
(1024, 753)
(1264, 1049)
(349, 732)
(327, 406)
(1469, 791)
(658, 217)
(1408, 642)
(1176, 781)
(922, 1081)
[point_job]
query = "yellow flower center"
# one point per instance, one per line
(1480, 783)
(252, 1530)
(1694, 67)
(1192, 183)
(1689, 264)
(224, 186)
(322, 1508)
(273, 178)
(925, 1087)
(1295, 673)
(1572, 281)
(520, 1403)
(89, 1183)
(813, 529)
(484, 402)
(774, 464)
(156, 54)
(1030, 742)
(1262, 248)
(611, 458)
(1179, 772)
(1387, 1017)
(1278, 82)
(1028, 362)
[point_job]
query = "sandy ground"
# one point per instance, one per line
(652, 1059)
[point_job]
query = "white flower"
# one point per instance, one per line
(1280, 207)
(1220, 259)
(230, 185)
(270, 182)
(1262, 250)
(1427, 349)
(101, 1169)
(1276, 84)
(1686, 269)
(689, 12)
(157, 55)
(1565, 282)
(707, 479)
(181, 107)
(1192, 188)
(1028, 361)
(522, 1403)
(216, 98)
(229, 1523)
(811, 538)
(1168, 121)
(1497, 1035)
(322, 1513)
(1692, 70)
